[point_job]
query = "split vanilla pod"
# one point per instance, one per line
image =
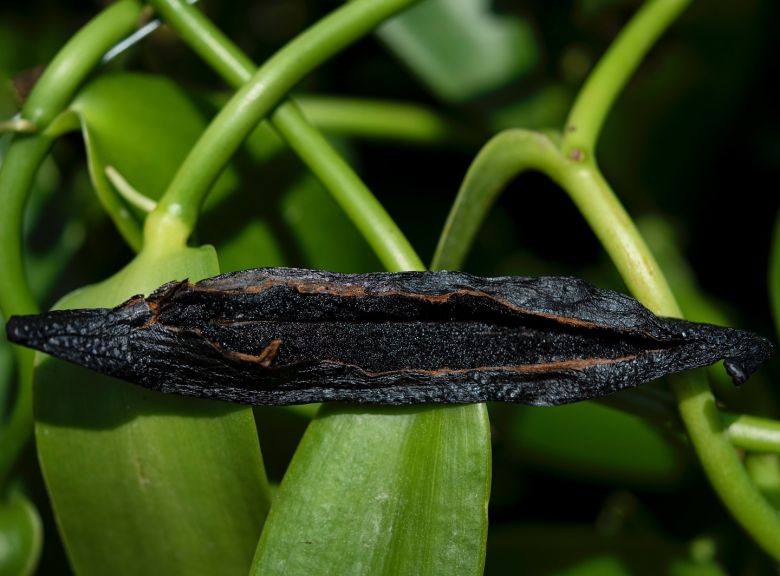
(274, 336)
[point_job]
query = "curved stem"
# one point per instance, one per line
(17, 174)
(722, 465)
(617, 233)
(257, 98)
(751, 432)
(77, 59)
(613, 71)
(504, 157)
(24, 156)
(18, 428)
(695, 401)
(387, 120)
(345, 186)
(514, 151)
(579, 175)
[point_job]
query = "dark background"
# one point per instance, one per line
(692, 143)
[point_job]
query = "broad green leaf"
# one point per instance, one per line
(141, 482)
(595, 442)
(143, 126)
(461, 49)
(20, 535)
(379, 491)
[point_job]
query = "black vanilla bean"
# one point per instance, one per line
(290, 336)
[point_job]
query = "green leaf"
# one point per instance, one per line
(595, 442)
(143, 126)
(376, 491)
(21, 535)
(141, 482)
(461, 49)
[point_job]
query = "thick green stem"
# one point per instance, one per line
(514, 151)
(574, 169)
(18, 428)
(696, 403)
(347, 188)
(62, 77)
(752, 433)
(579, 175)
(24, 156)
(617, 233)
(386, 120)
(506, 155)
(17, 174)
(722, 464)
(613, 71)
(259, 96)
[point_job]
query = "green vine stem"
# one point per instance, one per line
(17, 173)
(504, 157)
(379, 120)
(620, 238)
(256, 98)
(580, 176)
(49, 97)
(69, 68)
(389, 243)
(388, 120)
(613, 71)
(574, 168)
(751, 432)
(696, 403)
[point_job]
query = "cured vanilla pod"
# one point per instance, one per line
(289, 336)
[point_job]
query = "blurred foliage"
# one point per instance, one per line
(690, 148)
